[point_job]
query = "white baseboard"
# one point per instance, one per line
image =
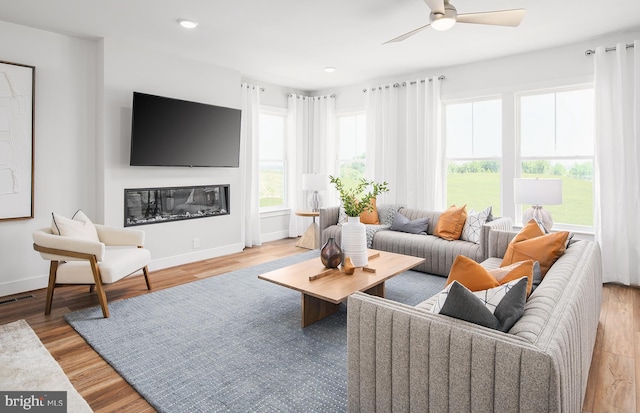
(274, 236)
(176, 260)
(23, 286)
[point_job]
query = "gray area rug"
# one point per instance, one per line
(233, 343)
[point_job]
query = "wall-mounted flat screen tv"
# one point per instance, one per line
(173, 132)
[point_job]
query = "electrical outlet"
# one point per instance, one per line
(196, 243)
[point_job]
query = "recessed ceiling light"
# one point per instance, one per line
(188, 24)
(329, 69)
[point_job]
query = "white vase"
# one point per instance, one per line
(354, 241)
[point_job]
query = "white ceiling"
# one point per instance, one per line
(289, 42)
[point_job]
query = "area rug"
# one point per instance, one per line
(27, 366)
(232, 343)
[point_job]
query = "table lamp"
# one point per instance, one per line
(314, 183)
(537, 192)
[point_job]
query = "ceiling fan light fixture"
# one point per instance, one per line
(187, 24)
(444, 21)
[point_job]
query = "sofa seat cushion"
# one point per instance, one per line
(439, 254)
(118, 262)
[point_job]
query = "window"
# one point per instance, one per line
(556, 131)
(352, 149)
(272, 159)
(473, 133)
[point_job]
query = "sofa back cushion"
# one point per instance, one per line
(572, 286)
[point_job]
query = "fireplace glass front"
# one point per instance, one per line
(154, 205)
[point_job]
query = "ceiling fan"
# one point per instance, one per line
(443, 16)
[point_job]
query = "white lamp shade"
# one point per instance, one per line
(314, 182)
(537, 191)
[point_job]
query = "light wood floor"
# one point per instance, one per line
(612, 385)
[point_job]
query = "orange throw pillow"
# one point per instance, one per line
(451, 222)
(532, 244)
(477, 278)
(531, 230)
(370, 217)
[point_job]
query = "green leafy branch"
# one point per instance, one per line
(355, 200)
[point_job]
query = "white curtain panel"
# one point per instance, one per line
(311, 148)
(617, 157)
(249, 162)
(404, 143)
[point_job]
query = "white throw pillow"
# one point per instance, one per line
(343, 218)
(80, 226)
(473, 225)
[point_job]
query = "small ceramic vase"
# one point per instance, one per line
(331, 254)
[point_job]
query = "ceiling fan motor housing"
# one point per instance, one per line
(444, 21)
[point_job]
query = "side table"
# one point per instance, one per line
(310, 238)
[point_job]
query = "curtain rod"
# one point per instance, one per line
(413, 82)
(589, 52)
(311, 97)
(251, 86)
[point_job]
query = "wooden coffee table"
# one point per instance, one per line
(322, 296)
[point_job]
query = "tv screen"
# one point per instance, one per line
(173, 132)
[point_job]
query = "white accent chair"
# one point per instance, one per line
(75, 261)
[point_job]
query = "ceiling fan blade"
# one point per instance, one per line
(497, 18)
(407, 35)
(436, 6)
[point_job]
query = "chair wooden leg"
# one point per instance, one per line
(91, 288)
(53, 268)
(145, 270)
(99, 290)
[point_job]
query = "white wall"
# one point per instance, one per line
(129, 68)
(65, 94)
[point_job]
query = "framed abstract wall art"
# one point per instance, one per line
(17, 89)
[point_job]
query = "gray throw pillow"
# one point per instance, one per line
(404, 224)
(464, 305)
(537, 276)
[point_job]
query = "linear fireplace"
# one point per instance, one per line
(154, 205)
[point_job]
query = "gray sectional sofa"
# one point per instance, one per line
(438, 253)
(406, 359)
